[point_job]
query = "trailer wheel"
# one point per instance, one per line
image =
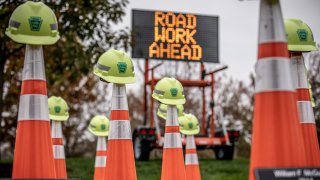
(141, 149)
(224, 152)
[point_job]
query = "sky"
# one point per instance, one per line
(238, 25)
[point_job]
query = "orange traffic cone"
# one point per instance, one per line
(121, 165)
(307, 120)
(101, 159)
(192, 163)
(58, 150)
(33, 155)
(172, 160)
(276, 138)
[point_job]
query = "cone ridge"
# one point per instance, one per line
(306, 115)
(276, 139)
(33, 155)
(120, 160)
(172, 160)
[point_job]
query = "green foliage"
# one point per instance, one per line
(86, 31)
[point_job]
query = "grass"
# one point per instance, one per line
(151, 170)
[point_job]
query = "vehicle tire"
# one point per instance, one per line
(141, 149)
(224, 152)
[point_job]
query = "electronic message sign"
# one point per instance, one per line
(175, 36)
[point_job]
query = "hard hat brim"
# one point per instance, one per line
(58, 118)
(161, 115)
(155, 96)
(117, 80)
(39, 40)
(190, 132)
(170, 101)
(164, 117)
(120, 80)
(102, 134)
(302, 48)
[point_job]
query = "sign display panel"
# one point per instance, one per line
(175, 36)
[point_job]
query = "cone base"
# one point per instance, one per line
(99, 173)
(311, 144)
(173, 164)
(193, 172)
(33, 155)
(61, 170)
(120, 161)
(277, 138)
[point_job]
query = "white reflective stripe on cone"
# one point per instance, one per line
(58, 152)
(56, 129)
(172, 140)
(101, 144)
(191, 159)
(190, 144)
(119, 97)
(33, 107)
(172, 116)
(101, 161)
(273, 74)
(270, 28)
(119, 129)
(305, 112)
(119, 102)
(299, 72)
(33, 64)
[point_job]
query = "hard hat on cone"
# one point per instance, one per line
(300, 37)
(58, 109)
(169, 91)
(99, 126)
(116, 67)
(33, 23)
(162, 111)
(189, 124)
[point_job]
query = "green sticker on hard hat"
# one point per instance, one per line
(302, 34)
(122, 67)
(174, 92)
(35, 23)
(103, 126)
(57, 109)
(190, 124)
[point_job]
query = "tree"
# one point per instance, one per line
(86, 32)
(314, 79)
(236, 99)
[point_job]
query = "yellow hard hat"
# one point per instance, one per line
(162, 111)
(116, 67)
(99, 126)
(300, 37)
(58, 109)
(189, 124)
(169, 91)
(33, 23)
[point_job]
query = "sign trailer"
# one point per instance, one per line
(178, 37)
